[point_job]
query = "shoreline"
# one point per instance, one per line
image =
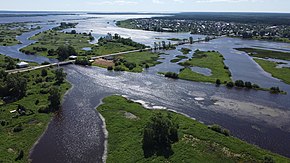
(41, 136)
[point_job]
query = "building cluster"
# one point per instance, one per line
(215, 28)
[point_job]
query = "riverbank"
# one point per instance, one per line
(19, 132)
(261, 53)
(125, 121)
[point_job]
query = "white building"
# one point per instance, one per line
(22, 65)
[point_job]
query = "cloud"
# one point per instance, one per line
(114, 2)
(228, 1)
(157, 1)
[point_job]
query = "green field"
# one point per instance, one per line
(111, 47)
(210, 60)
(270, 67)
(8, 33)
(126, 24)
(125, 121)
(33, 124)
(266, 53)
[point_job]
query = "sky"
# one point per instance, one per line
(148, 5)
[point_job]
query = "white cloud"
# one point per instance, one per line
(114, 2)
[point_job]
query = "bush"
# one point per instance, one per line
(218, 82)
(230, 85)
(43, 109)
(110, 68)
(17, 128)
(171, 75)
(248, 85)
(239, 83)
(119, 68)
(220, 130)
(275, 90)
(158, 135)
(20, 155)
(43, 72)
(255, 86)
(36, 102)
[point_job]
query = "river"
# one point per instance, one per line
(75, 134)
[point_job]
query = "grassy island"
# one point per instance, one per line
(8, 33)
(126, 120)
(261, 53)
(49, 41)
(22, 118)
(271, 67)
(185, 50)
(211, 60)
(132, 62)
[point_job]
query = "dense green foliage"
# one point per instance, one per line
(64, 25)
(158, 135)
(20, 130)
(211, 60)
(172, 75)
(125, 122)
(83, 61)
(266, 53)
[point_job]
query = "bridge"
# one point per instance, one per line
(14, 71)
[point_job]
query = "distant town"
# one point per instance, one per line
(215, 28)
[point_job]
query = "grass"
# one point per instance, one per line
(266, 53)
(185, 50)
(279, 39)
(178, 58)
(175, 39)
(52, 39)
(33, 125)
(111, 47)
(197, 143)
(8, 33)
(139, 58)
(210, 60)
(270, 67)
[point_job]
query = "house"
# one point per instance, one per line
(73, 57)
(22, 65)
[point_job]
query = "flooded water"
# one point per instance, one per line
(75, 134)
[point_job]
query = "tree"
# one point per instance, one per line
(191, 40)
(64, 52)
(158, 135)
(248, 85)
(163, 44)
(43, 72)
(218, 82)
(54, 99)
(60, 75)
(10, 63)
(230, 84)
(16, 86)
(239, 83)
(73, 32)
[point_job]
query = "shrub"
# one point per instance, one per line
(171, 75)
(43, 72)
(158, 135)
(20, 155)
(248, 85)
(239, 83)
(17, 128)
(255, 86)
(230, 85)
(36, 102)
(275, 90)
(43, 109)
(220, 130)
(110, 68)
(218, 82)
